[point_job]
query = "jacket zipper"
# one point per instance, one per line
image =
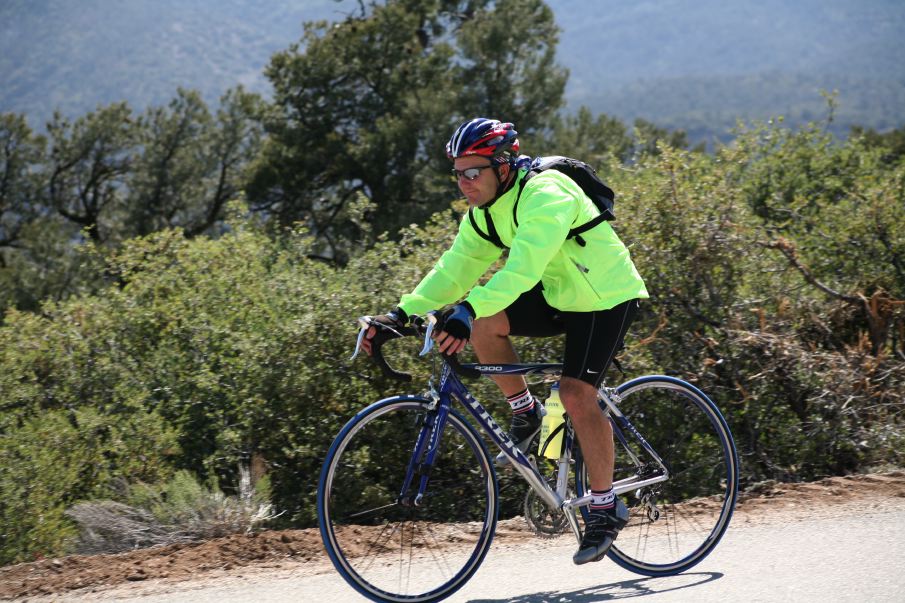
(584, 270)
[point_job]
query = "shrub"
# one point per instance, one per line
(180, 510)
(55, 458)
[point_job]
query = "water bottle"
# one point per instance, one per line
(552, 420)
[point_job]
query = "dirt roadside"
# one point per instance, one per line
(302, 549)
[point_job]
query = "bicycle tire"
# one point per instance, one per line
(695, 504)
(390, 552)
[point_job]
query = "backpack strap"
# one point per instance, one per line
(491, 234)
(521, 187)
(576, 232)
(604, 206)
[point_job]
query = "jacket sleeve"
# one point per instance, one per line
(546, 211)
(457, 270)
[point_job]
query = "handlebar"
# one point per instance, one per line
(421, 326)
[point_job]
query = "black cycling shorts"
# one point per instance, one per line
(592, 338)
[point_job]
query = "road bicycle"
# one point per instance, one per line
(408, 497)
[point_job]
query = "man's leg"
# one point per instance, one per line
(595, 434)
(606, 514)
(490, 340)
(592, 340)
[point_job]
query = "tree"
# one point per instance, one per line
(892, 141)
(647, 135)
(192, 162)
(89, 159)
(21, 152)
(508, 52)
(231, 145)
(168, 177)
(36, 257)
(108, 176)
(594, 141)
(362, 108)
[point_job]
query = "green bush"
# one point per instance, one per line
(58, 456)
(775, 270)
(180, 510)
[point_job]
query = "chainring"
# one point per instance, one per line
(544, 521)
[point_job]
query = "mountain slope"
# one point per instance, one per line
(697, 65)
(73, 56)
(701, 65)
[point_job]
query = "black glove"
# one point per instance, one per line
(383, 328)
(456, 320)
(395, 319)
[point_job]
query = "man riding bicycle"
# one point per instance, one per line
(551, 283)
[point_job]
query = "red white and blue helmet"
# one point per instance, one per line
(489, 138)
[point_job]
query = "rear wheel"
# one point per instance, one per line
(390, 550)
(675, 524)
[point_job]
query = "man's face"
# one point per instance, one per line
(482, 189)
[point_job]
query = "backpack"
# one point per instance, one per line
(581, 173)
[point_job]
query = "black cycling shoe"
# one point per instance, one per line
(600, 531)
(523, 429)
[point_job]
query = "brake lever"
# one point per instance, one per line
(365, 323)
(428, 340)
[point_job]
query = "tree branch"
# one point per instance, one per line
(878, 308)
(788, 249)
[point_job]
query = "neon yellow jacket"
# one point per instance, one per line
(598, 276)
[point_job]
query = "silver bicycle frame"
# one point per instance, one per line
(611, 398)
(528, 469)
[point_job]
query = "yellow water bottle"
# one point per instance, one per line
(552, 420)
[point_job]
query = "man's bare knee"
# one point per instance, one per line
(491, 326)
(579, 399)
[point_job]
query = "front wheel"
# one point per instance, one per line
(675, 524)
(386, 547)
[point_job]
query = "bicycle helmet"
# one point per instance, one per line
(489, 138)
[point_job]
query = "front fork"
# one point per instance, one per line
(424, 454)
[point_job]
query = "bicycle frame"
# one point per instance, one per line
(451, 387)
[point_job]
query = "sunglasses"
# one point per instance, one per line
(470, 173)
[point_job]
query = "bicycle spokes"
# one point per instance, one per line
(402, 540)
(687, 452)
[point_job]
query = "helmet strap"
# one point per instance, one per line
(502, 186)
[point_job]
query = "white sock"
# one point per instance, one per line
(521, 402)
(602, 499)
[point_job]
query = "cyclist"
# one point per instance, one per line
(550, 284)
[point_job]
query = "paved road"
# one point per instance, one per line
(856, 557)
